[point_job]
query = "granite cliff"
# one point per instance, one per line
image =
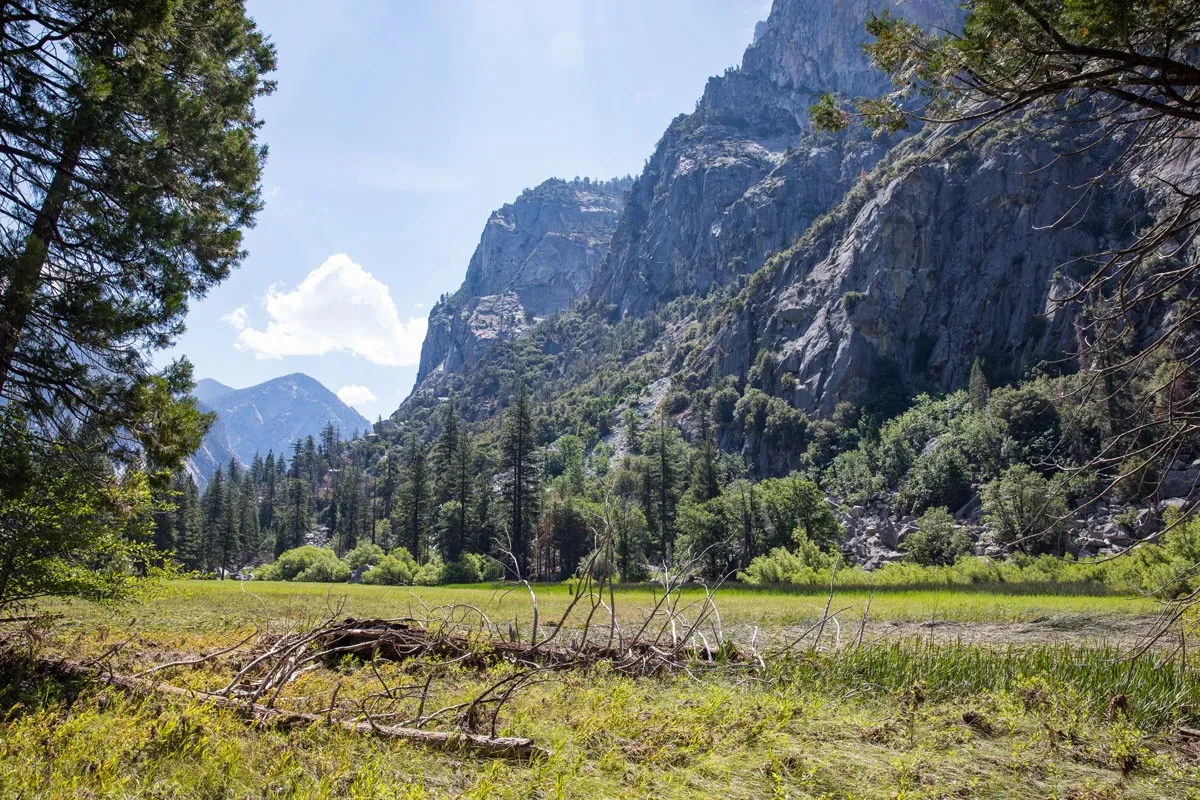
(815, 268)
(536, 256)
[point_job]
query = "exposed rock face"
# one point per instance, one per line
(924, 267)
(742, 176)
(536, 256)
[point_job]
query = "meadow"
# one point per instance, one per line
(990, 692)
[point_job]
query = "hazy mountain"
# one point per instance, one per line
(269, 416)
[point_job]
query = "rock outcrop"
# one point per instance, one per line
(930, 262)
(536, 256)
(743, 175)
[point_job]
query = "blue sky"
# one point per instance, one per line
(398, 127)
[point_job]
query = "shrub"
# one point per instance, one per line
(308, 563)
(800, 567)
(431, 572)
(395, 569)
(489, 569)
(1026, 510)
(677, 402)
(937, 540)
(850, 477)
(939, 478)
(851, 299)
(364, 555)
(1031, 420)
(723, 404)
(461, 571)
(794, 509)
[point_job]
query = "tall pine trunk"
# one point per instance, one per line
(17, 301)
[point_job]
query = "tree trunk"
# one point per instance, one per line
(26, 278)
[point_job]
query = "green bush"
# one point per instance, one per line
(782, 567)
(395, 569)
(724, 403)
(431, 572)
(939, 478)
(849, 476)
(307, 564)
(1031, 420)
(1166, 568)
(1026, 510)
(488, 568)
(938, 541)
(364, 555)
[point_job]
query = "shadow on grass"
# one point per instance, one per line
(28, 686)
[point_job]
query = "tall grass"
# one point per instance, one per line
(1151, 691)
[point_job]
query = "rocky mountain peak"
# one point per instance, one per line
(536, 256)
(744, 174)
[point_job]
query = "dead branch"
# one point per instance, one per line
(518, 749)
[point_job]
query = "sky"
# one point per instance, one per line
(396, 129)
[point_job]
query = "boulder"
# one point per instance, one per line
(1179, 482)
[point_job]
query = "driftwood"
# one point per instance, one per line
(519, 749)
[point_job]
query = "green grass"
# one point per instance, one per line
(225, 603)
(903, 718)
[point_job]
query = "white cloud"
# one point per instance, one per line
(354, 395)
(236, 319)
(339, 307)
(566, 50)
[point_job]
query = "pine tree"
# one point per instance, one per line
(706, 484)
(446, 451)
(978, 386)
(520, 467)
(249, 538)
(297, 515)
(189, 524)
(266, 508)
(634, 437)
(481, 516)
(661, 484)
(130, 164)
(214, 506)
(227, 528)
(387, 486)
(414, 500)
(455, 512)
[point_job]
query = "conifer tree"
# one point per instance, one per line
(249, 536)
(661, 478)
(706, 484)
(445, 452)
(266, 509)
(520, 479)
(415, 498)
(978, 386)
(189, 523)
(130, 166)
(215, 503)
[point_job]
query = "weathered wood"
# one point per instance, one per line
(519, 749)
(394, 641)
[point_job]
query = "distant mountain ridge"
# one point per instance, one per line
(270, 416)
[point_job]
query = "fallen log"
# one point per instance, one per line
(518, 749)
(398, 641)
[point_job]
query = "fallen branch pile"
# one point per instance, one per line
(520, 749)
(402, 641)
